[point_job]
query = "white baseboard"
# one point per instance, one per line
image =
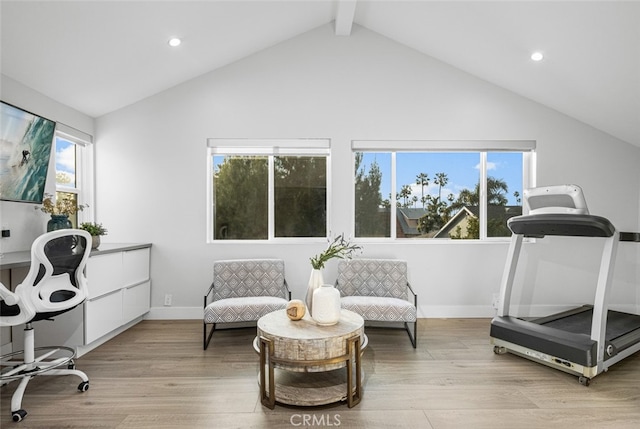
(455, 311)
(196, 313)
(424, 311)
(484, 311)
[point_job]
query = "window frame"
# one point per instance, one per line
(483, 147)
(269, 148)
(84, 189)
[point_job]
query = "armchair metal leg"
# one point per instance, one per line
(412, 338)
(207, 339)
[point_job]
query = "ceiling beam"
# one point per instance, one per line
(344, 17)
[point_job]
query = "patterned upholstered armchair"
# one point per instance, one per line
(378, 290)
(244, 290)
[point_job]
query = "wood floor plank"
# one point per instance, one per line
(287, 419)
(611, 418)
(420, 397)
(156, 375)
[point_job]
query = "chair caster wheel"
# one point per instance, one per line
(84, 386)
(499, 350)
(18, 415)
(585, 381)
(71, 365)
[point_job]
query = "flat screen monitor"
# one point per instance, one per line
(25, 148)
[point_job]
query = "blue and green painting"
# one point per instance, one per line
(25, 149)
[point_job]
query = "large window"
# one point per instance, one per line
(452, 190)
(73, 163)
(267, 189)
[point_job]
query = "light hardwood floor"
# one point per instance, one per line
(156, 375)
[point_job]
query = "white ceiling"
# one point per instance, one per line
(98, 56)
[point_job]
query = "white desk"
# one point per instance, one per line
(23, 258)
(119, 282)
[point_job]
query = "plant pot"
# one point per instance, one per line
(95, 241)
(58, 222)
(326, 305)
(315, 281)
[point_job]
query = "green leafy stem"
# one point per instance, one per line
(339, 248)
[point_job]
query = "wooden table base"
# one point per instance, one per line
(310, 388)
(307, 389)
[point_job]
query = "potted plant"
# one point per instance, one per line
(340, 248)
(60, 210)
(96, 230)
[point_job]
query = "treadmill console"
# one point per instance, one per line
(556, 199)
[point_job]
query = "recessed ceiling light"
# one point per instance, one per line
(174, 41)
(537, 56)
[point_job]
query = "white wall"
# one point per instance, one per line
(151, 164)
(22, 219)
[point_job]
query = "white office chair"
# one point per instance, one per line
(55, 284)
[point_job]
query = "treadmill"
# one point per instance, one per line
(583, 341)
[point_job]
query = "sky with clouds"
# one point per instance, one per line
(66, 158)
(462, 170)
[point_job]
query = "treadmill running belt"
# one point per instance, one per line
(618, 323)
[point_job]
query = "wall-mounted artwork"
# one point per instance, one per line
(25, 149)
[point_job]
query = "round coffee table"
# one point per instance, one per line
(303, 363)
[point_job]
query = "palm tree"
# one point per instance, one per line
(441, 180)
(405, 193)
(422, 179)
(496, 190)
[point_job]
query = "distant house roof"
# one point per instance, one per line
(493, 212)
(457, 220)
(407, 220)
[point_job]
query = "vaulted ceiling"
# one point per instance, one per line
(98, 56)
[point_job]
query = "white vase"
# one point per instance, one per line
(315, 281)
(326, 305)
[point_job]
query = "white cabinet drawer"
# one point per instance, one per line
(102, 315)
(104, 274)
(135, 266)
(136, 301)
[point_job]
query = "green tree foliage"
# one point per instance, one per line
(405, 194)
(496, 191)
(422, 179)
(441, 180)
(438, 211)
(300, 196)
(436, 216)
(496, 197)
(241, 198)
(371, 221)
